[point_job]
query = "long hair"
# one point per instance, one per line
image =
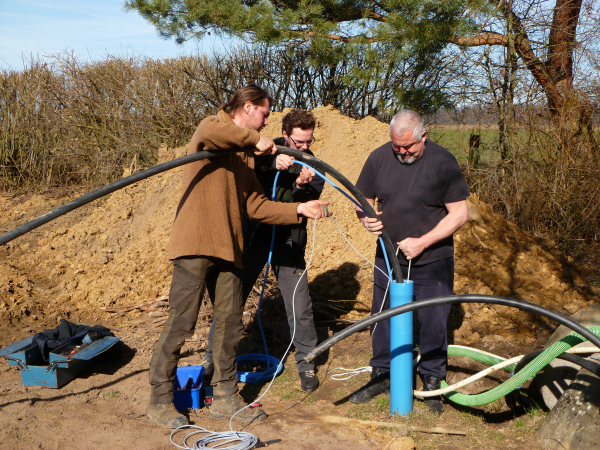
(251, 93)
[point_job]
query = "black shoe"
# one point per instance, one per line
(308, 381)
(435, 405)
(379, 384)
(209, 369)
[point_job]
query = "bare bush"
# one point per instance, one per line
(73, 121)
(546, 187)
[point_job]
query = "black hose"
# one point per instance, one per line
(585, 363)
(449, 299)
(123, 182)
(108, 189)
(301, 156)
(317, 163)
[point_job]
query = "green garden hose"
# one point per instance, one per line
(518, 379)
(477, 355)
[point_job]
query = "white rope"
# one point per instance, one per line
(489, 370)
(354, 248)
(348, 373)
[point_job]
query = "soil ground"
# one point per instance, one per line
(105, 263)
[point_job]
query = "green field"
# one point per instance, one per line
(457, 141)
(538, 145)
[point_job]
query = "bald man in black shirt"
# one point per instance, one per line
(421, 198)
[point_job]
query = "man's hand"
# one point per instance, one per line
(265, 146)
(305, 177)
(371, 224)
(411, 247)
(314, 209)
(283, 162)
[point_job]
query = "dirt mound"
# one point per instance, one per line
(113, 252)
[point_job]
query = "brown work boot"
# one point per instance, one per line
(165, 415)
(224, 406)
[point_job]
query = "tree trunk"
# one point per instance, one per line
(559, 61)
(571, 114)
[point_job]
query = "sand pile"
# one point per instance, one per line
(113, 252)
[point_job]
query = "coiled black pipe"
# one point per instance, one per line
(123, 182)
(473, 298)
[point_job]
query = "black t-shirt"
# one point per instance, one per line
(412, 197)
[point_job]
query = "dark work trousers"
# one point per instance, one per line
(191, 275)
(287, 270)
(430, 280)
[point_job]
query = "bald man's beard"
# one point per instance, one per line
(406, 161)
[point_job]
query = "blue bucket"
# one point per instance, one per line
(187, 386)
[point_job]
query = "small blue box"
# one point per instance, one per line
(190, 379)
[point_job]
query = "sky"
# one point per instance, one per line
(90, 29)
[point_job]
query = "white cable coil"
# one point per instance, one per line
(247, 441)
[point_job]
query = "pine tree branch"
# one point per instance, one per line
(334, 37)
(376, 16)
(490, 38)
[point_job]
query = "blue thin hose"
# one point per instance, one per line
(387, 262)
(259, 377)
(273, 364)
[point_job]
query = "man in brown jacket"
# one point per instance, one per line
(206, 249)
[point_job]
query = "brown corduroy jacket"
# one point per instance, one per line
(217, 191)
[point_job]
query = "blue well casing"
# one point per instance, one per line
(401, 350)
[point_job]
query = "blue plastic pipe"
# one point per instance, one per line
(401, 346)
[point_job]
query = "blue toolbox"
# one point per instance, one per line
(65, 362)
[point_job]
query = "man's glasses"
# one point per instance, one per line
(301, 143)
(406, 147)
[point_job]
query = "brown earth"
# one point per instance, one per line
(88, 264)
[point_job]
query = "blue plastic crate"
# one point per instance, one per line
(189, 377)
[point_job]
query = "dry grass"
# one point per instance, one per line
(74, 123)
